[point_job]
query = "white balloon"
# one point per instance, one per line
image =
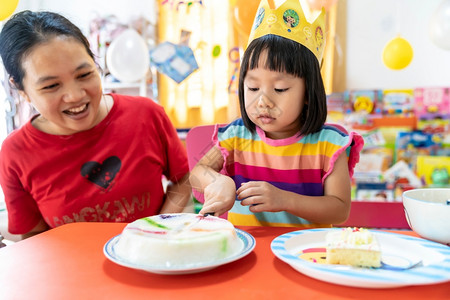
(127, 57)
(440, 26)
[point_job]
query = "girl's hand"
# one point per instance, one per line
(261, 196)
(219, 196)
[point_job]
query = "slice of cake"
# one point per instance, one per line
(356, 247)
(171, 240)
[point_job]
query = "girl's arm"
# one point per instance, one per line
(332, 208)
(219, 190)
(177, 196)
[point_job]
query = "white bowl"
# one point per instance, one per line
(428, 213)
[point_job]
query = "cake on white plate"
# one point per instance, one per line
(177, 240)
(356, 247)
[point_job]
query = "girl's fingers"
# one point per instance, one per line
(256, 208)
(214, 207)
(246, 185)
(252, 200)
(249, 192)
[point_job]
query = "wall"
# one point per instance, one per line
(371, 24)
(81, 12)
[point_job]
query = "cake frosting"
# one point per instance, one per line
(171, 240)
(353, 246)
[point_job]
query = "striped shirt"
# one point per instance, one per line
(299, 164)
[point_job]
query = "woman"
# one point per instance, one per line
(86, 156)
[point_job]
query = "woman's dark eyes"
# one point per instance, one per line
(280, 90)
(82, 76)
(253, 89)
(48, 87)
(85, 74)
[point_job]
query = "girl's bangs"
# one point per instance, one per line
(278, 58)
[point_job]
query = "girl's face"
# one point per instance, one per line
(274, 100)
(62, 82)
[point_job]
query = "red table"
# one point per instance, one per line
(68, 263)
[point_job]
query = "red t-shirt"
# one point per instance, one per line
(110, 173)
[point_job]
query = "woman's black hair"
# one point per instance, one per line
(25, 30)
(284, 55)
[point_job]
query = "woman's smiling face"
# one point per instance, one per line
(62, 82)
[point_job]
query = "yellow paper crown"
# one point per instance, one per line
(289, 21)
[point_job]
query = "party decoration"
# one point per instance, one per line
(233, 55)
(175, 61)
(318, 4)
(244, 14)
(289, 21)
(185, 37)
(397, 53)
(439, 28)
(127, 57)
(188, 4)
(7, 7)
(216, 51)
(233, 80)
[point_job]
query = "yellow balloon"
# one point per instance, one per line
(7, 7)
(397, 53)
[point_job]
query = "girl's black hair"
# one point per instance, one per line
(27, 29)
(284, 55)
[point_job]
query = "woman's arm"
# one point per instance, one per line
(40, 227)
(177, 196)
(219, 190)
(332, 208)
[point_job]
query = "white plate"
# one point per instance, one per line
(435, 266)
(247, 239)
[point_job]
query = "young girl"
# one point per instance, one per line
(280, 164)
(86, 156)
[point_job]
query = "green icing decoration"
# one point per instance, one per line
(153, 223)
(224, 245)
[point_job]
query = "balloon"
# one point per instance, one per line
(7, 7)
(397, 53)
(439, 28)
(318, 4)
(127, 57)
(244, 14)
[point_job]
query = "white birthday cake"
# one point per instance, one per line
(171, 240)
(353, 246)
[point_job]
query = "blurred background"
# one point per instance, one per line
(386, 70)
